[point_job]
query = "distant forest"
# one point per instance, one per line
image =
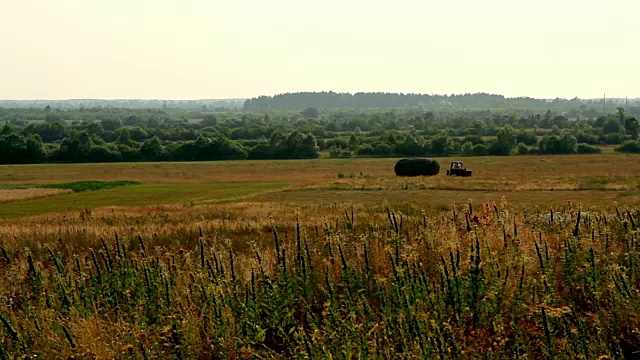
(333, 100)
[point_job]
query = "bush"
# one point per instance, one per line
(612, 139)
(480, 150)
(522, 149)
(417, 167)
(587, 149)
(629, 146)
(375, 149)
(335, 152)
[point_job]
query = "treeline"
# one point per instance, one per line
(333, 100)
(82, 147)
(111, 135)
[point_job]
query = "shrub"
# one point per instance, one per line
(335, 152)
(480, 150)
(587, 149)
(614, 138)
(629, 146)
(417, 167)
(522, 149)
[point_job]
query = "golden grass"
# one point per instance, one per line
(11, 195)
(171, 233)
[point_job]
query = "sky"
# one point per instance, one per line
(205, 49)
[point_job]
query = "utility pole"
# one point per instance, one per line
(604, 103)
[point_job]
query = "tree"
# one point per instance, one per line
(287, 145)
(632, 126)
(151, 149)
(138, 134)
(35, 152)
(467, 149)
(311, 113)
(95, 129)
(48, 131)
(12, 148)
(205, 148)
(612, 125)
(629, 123)
(526, 137)
(505, 141)
(209, 120)
(75, 147)
(124, 137)
(411, 146)
(111, 124)
(7, 128)
(553, 144)
(52, 118)
(441, 145)
(354, 142)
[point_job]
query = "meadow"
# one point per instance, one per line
(532, 257)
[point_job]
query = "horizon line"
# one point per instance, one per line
(319, 92)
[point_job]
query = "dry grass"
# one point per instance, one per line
(362, 287)
(11, 195)
(320, 171)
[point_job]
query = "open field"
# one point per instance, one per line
(306, 259)
(538, 181)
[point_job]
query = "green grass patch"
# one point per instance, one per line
(83, 186)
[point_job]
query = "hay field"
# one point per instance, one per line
(11, 195)
(538, 181)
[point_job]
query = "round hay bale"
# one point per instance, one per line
(417, 167)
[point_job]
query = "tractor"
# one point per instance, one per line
(458, 169)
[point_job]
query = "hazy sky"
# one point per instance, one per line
(189, 49)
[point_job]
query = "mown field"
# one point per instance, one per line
(537, 181)
(532, 257)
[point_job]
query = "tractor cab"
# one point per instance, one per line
(457, 169)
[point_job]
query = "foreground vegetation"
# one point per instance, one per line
(227, 281)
